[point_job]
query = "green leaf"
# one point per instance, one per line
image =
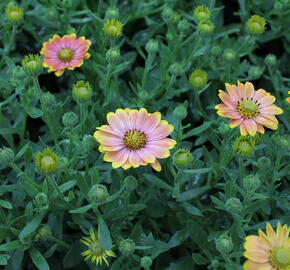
(10, 245)
(82, 209)
(31, 226)
(35, 112)
(124, 211)
(192, 194)
(198, 171)
(157, 181)
(5, 204)
(4, 259)
(197, 130)
(105, 236)
(38, 259)
(199, 259)
(191, 209)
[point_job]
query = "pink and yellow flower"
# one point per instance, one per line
(65, 52)
(248, 108)
(134, 138)
(288, 99)
(270, 251)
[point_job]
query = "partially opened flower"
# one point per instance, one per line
(134, 138)
(95, 252)
(270, 251)
(65, 52)
(248, 108)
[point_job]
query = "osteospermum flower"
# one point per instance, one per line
(248, 108)
(288, 99)
(270, 251)
(134, 138)
(95, 252)
(65, 52)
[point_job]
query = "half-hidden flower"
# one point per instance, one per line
(113, 28)
(270, 250)
(32, 64)
(65, 52)
(288, 99)
(134, 138)
(198, 78)
(248, 108)
(95, 252)
(201, 13)
(14, 13)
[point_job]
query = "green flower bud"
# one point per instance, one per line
(6, 156)
(113, 55)
(44, 232)
(224, 244)
(256, 25)
(175, 17)
(146, 262)
(70, 119)
(270, 60)
(127, 247)
(244, 145)
(167, 14)
(183, 26)
(255, 73)
(215, 50)
(229, 55)
(180, 112)
(282, 141)
(112, 13)
(41, 199)
(251, 183)
(89, 142)
(223, 128)
(152, 46)
(46, 161)
(234, 205)
(32, 64)
(264, 163)
(48, 100)
(67, 4)
(175, 69)
(215, 264)
(205, 27)
(98, 193)
(198, 79)
(182, 158)
(51, 13)
(130, 183)
(201, 13)
(14, 13)
(82, 92)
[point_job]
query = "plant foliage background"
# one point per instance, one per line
(181, 218)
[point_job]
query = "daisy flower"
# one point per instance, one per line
(95, 252)
(270, 251)
(248, 108)
(65, 52)
(134, 138)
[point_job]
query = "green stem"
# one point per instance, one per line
(241, 168)
(83, 116)
(148, 65)
(60, 242)
(176, 189)
(107, 91)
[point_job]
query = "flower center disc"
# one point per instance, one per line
(65, 55)
(96, 248)
(135, 139)
(47, 161)
(248, 109)
(281, 258)
(113, 29)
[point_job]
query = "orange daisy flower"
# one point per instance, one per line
(248, 108)
(66, 52)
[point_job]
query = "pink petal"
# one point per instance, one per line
(158, 151)
(249, 91)
(271, 110)
(135, 159)
(108, 129)
(226, 99)
(235, 122)
(141, 118)
(124, 117)
(259, 94)
(117, 158)
(243, 129)
(250, 126)
(116, 124)
(107, 138)
(156, 165)
(233, 92)
(146, 155)
(260, 128)
(160, 132)
(151, 122)
(266, 100)
(266, 122)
